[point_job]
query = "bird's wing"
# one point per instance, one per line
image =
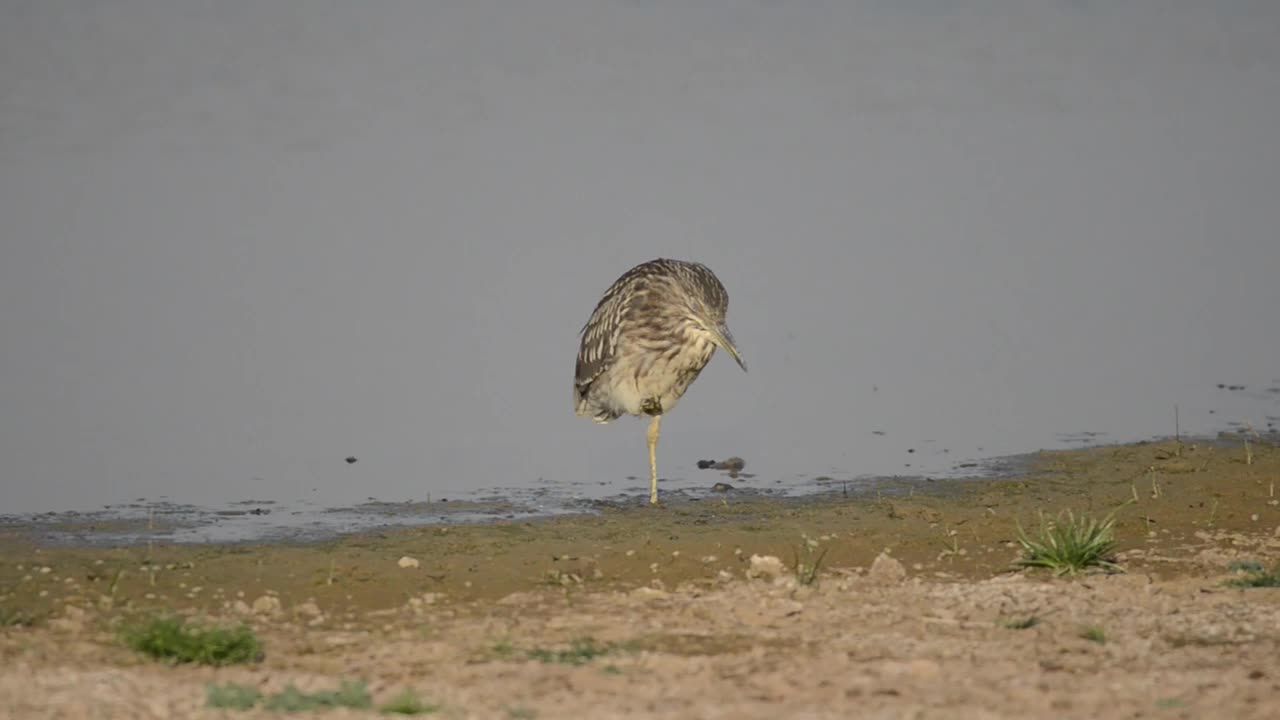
(599, 340)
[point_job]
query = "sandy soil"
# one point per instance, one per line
(914, 612)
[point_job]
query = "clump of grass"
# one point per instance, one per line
(351, 694)
(1255, 575)
(1025, 623)
(808, 568)
(10, 617)
(503, 649)
(408, 703)
(232, 696)
(1070, 544)
(170, 639)
(1094, 633)
(580, 652)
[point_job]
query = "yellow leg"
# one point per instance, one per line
(652, 436)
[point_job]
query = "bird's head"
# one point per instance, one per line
(707, 306)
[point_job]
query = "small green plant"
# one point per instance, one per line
(1255, 575)
(170, 639)
(520, 712)
(10, 617)
(408, 703)
(1025, 623)
(1070, 544)
(503, 649)
(808, 568)
(950, 545)
(232, 696)
(580, 652)
(1094, 633)
(351, 694)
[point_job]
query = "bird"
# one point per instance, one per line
(650, 335)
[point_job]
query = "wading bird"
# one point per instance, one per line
(650, 335)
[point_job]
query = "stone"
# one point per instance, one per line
(266, 605)
(765, 566)
(886, 570)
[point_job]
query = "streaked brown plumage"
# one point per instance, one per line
(649, 337)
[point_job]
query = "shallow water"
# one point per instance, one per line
(242, 244)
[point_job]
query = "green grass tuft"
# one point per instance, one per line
(351, 694)
(808, 568)
(232, 696)
(1025, 623)
(580, 652)
(1070, 544)
(172, 640)
(16, 618)
(1094, 633)
(408, 703)
(1256, 576)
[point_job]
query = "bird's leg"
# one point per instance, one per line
(652, 436)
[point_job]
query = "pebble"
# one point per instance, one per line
(72, 620)
(408, 562)
(266, 605)
(886, 570)
(765, 566)
(308, 609)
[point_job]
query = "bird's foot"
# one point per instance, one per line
(651, 406)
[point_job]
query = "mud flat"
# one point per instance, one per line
(913, 610)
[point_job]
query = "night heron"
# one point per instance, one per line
(650, 335)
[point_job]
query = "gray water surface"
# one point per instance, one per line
(240, 242)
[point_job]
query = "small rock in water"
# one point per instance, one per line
(733, 464)
(351, 459)
(721, 487)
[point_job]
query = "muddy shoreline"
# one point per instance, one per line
(909, 613)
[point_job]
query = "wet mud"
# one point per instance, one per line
(709, 604)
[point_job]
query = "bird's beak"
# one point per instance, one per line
(721, 336)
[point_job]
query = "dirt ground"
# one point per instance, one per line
(641, 612)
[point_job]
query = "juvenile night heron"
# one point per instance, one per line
(650, 335)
